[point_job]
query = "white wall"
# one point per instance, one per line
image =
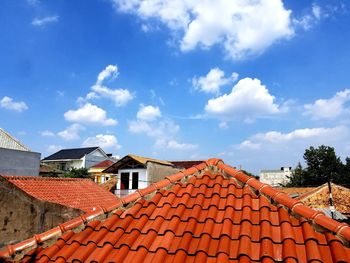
(143, 177)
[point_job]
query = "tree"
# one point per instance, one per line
(322, 165)
(297, 177)
(77, 173)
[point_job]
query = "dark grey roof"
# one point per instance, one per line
(74, 154)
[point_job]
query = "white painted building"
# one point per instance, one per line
(276, 177)
(66, 159)
(136, 172)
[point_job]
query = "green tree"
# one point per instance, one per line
(297, 177)
(322, 165)
(77, 173)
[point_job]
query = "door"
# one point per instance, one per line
(135, 180)
(124, 181)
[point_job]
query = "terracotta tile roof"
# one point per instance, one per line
(82, 194)
(9, 142)
(208, 213)
(110, 185)
(319, 198)
(103, 164)
(296, 191)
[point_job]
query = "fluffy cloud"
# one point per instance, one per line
(305, 136)
(309, 19)
(148, 113)
(10, 104)
(40, 22)
(120, 96)
(329, 108)
(213, 81)
(103, 141)
(72, 132)
(249, 99)
(89, 113)
(174, 145)
(240, 27)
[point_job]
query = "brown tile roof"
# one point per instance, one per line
(103, 164)
(110, 185)
(208, 213)
(296, 191)
(82, 194)
(319, 198)
(185, 164)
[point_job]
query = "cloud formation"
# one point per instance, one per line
(248, 100)
(242, 28)
(71, 132)
(148, 113)
(102, 140)
(213, 81)
(90, 114)
(329, 108)
(9, 104)
(40, 22)
(120, 97)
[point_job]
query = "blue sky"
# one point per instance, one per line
(251, 82)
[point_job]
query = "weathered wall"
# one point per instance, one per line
(157, 171)
(14, 162)
(22, 216)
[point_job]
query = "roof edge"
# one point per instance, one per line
(342, 230)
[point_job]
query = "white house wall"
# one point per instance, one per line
(143, 177)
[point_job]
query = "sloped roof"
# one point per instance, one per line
(110, 184)
(82, 194)
(140, 159)
(185, 164)
(319, 198)
(103, 164)
(70, 154)
(208, 213)
(9, 142)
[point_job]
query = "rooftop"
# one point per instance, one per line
(70, 154)
(103, 164)
(210, 212)
(82, 194)
(9, 142)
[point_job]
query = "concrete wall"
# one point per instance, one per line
(22, 216)
(14, 162)
(157, 172)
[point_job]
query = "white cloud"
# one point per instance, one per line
(329, 108)
(213, 81)
(148, 113)
(9, 104)
(223, 125)
(39, 22)
(54, 148)
(89, 113)
(120, 96)
(249, 99)
(47, 133)
(240, 27)
(311, 18)
(174, 145)
(72, 132)
(103, 141)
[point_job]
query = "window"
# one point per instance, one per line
(135, 180)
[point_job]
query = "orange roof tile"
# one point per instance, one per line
(72, 192)
(103, 164)
(207, 213)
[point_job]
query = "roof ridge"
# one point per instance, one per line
(15, 140)
(318, 218)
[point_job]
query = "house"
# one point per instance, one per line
(318, 198)
(16, 158)
(276, 177)
(66, 159)
(49, 171)
(137, 172)
(208, 213)
(33, 204)
(96, 171)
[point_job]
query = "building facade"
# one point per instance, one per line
(276, 177)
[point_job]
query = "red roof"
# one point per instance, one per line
(103, 164)
(77, 193)
(208, 213)
(185, 164)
